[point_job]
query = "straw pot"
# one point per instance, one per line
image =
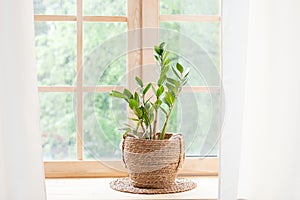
(153, 163)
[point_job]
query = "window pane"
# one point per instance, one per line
(196, 116)
(55, 49)
(192, 7)
(197, 46)
(51, 7)
(105, 7)
(105, 53)
(57, 123)
(103, 116)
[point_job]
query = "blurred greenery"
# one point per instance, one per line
(190, 7)
(204, 36)
(105, 7)
(57, 7)
(94, 44)
(102, 118)
(196, 116)
(55, 46)
(57, 123)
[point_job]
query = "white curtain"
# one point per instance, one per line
(21, 168)
(234, 51)
(269, 163)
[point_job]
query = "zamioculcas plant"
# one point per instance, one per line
(146, 102)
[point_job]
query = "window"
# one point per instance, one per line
(77, 68)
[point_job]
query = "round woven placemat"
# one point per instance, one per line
(125, 185)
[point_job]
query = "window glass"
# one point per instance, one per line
(103, 116)
(196, 116)
(51, 7)
(58, 126)
(55, 50)
(195, 7)
(105, 59)
(196, 45)
(205, 38)
(105, 7)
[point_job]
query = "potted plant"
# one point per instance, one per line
(153, 157)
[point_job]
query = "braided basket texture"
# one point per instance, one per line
(153, 163)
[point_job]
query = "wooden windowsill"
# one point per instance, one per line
(98, 188)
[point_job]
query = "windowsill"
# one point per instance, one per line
(98, 188)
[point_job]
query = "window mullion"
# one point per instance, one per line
(150, 35)
(79, 82)
(134, 41)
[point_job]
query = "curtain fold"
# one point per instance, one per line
(268, 124)
(21, 167)
(269, 163)
(234, 52)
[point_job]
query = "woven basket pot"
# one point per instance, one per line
(153, 163)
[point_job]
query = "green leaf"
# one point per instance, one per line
(179, 68)
(167, 61)
(139, 81)
(161, 80)
(138, 112)
(187, 71)
(157, 58)
(162, 45)
(133, 104)
(166, 102)
(173, 81)
(133, 119)
(152, 108)
(158, 50)
(164, 111)
(117, 94)
(153, 89)
(147, 88)
(128, 125)
(185, 82)
(166, 54)
(147, 106)
(164, 70)
(157, 104)
(125, 129)
(172, 88)
(127, 93)
(169, 98)
(160, 90)
(145, 116)
(176, 73)
(136, 97)
(173, 97)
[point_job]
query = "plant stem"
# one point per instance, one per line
(163, 132)
(150, 127)
(154, 124)
(143, 127)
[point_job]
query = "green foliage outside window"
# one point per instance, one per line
(55, 44)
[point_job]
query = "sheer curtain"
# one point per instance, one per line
(269, 162)
(21, 168)
(234, 52)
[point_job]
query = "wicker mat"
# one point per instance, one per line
(125, 185)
